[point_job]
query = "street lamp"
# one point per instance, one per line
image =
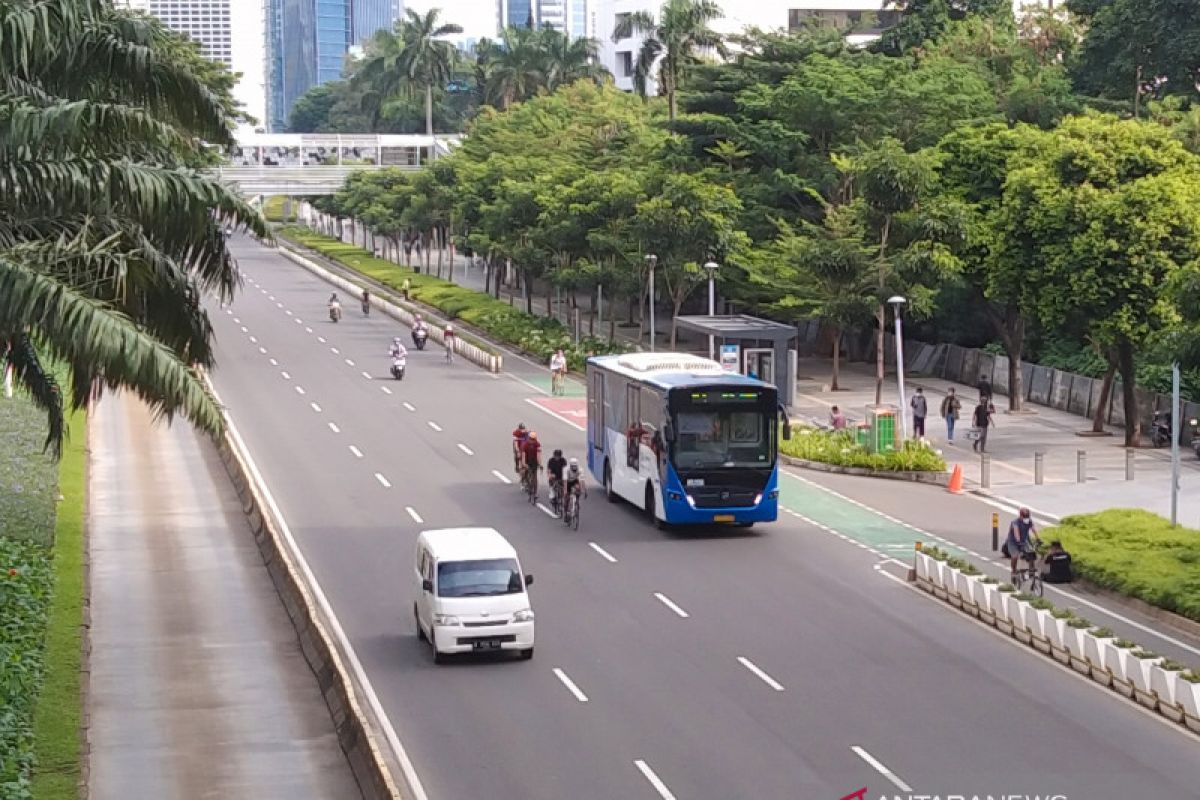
(712, 268)
(652, 260)
(897, 302)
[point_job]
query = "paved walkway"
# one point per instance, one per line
(1012, 444)
(198, 687)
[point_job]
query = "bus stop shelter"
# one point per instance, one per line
(751, 346)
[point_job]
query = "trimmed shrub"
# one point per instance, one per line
(840, 449)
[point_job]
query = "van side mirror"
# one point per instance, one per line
(529, 580)
(427, 585)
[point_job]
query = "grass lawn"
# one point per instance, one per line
(58, 714)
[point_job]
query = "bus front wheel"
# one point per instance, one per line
(608, 489)
(653, 517)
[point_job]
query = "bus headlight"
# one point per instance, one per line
(758, 498)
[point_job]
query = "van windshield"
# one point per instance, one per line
(482, 578)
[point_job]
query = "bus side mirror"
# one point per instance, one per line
(787, 429)
(427, 585)
(668, 432)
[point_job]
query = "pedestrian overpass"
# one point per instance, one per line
(319, 163)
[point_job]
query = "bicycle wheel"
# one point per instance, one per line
(1035, 585)
(575, 514)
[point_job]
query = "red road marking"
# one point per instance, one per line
(571, 410)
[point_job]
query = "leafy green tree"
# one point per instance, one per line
(108, 236)
(670, 44)
(926, 20)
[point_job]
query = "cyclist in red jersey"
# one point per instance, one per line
(518, 441)
(531, 457)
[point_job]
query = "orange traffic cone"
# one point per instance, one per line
(956, 480)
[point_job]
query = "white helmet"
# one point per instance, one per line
(573, 466)
(396, 340)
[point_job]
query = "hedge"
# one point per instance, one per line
(1135, 553)
(840, 449)
(538, 336)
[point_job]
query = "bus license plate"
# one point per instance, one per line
(723, 518)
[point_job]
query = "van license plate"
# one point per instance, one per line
(723, 518)
(487, 644)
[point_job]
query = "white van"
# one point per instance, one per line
(470, 593)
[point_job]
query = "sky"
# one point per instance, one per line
(477, 17)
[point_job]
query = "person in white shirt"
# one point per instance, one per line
(558, 371)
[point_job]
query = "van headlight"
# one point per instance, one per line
(445, 619)
(524, 615)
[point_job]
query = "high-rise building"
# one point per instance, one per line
(307, 42)
(229, 31)
(570, 16)
(516, 14)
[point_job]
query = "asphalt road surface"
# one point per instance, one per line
(718, 664)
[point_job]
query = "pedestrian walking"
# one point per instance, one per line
(949, 411)
(405, 288)
(920, 409)
(985, 389)
(981, 420)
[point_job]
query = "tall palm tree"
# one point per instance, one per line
(568, 60)
(425, 58)
(670, 44)
(517, 68)
(109, 237)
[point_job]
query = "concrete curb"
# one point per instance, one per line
(356, 729)
(932, 478)
(492, 362)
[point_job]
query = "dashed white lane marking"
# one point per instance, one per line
(262, 350)
(349, 362)
(334, 428)
(570, 684)
(655, 781)
(237, 321)
(383, 481)
(279, 305)
(546, 510)
(229, 311)
(435, 426)
(365, 374)
(321, 339)
(881, 769)
(412, 512)
(307, 329)
(764, 677)
(253, 340)
(385, 390)
(286, 376)
(603, 553)
(501, 476)
(356, 451)
(245, 329)
(466, 449)
(271, 297)
(335, 351)
(299, 389)
(274, 363)
(410, 406)
(287, 311)
(669, 603)
(298, 321)
(315, 407)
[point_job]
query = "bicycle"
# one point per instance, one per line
(529, 484)
(449, 353)
(570, 516)
(558, 383)
(1029, 576)
(556, 496)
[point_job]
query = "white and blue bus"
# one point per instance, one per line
(684, 440)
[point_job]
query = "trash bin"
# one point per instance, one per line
(862, 435)
(882, 420)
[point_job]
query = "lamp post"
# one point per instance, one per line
(897, 302)
(652, 260)
(712, 268)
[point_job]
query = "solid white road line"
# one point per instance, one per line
(285, 375)
(383, 481)
(655, 781)
(466, 449)
(315, 407)
(365, 374)
(356, 451)
(410, 406)
(385, 390)
(554, 414)
(406, 766)
(666, 601)
(349, 362)
(767, 679)
(412, 512)
(299, 389)
(435, 426)
(334, 428)
(570, 684)
(546, 510)
(501, 476)
(881, 769)
(274, 363)
(604, 553)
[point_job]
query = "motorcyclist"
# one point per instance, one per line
(335, 306)
(398, 350)
(419, 327)
(366, 302)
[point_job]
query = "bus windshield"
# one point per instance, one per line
(716, 437)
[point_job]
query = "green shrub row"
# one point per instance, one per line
(538, 336)
(1137, 554)
(840, 449)
(26, 582)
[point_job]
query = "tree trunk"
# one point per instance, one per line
(1101, 412)
(440, 237)
(837, 358)
(449, 238)
(592, 316)
(677, 303)
(426, 247)
(528, 293)
(1133, 425)
(550, 301)
(429, 120)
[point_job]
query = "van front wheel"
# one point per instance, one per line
(527, 654)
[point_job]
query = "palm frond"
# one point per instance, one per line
(41, 385)
(84, 126)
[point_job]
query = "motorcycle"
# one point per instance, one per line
(1160, 431)
(335, 312)
(398, 364)
(419, 335)
(1195, 436)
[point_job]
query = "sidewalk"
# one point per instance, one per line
(1012, 444)
(197, 684)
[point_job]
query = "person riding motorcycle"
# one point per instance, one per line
(335, 307)
(366, 302)
(398, 350)
(420, 330)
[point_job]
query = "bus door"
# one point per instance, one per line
(596, 420)
(633, 431)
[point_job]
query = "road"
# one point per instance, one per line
(804, 668)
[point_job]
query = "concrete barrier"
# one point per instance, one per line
(398, 310)
(377, 759)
